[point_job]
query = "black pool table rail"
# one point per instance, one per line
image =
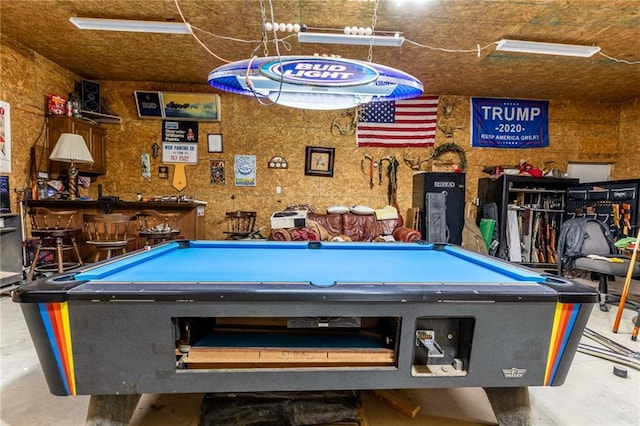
(64, 287)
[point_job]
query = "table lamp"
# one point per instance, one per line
(71, 148)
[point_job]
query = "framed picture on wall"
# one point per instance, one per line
(214, 142)
(191, 106)
(218, 175)
(319, 161)
(178, 106)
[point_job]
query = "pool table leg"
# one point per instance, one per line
(511, 406)
(111, 410)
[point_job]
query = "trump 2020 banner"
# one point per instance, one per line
(509, 123)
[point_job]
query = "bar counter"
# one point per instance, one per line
(191, 221)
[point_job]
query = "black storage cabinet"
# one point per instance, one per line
(532, 198)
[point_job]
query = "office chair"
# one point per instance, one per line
(587, 244)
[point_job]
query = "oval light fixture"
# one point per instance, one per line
(314, 82)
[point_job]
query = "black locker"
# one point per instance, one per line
(450, 184)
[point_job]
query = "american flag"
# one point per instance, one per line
(410, 122)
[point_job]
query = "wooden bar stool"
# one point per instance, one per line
(155, 227)
(55, 233)
(108, 232)
(240, 224)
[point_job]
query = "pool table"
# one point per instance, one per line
(233, 316)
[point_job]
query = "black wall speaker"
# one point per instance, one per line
(90, 96)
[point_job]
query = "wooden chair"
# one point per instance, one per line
(155, 227)
(108, 232)
(240, 224)
(55, 233)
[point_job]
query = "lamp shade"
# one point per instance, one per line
(71, 148)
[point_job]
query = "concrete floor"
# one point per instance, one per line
(591, 395)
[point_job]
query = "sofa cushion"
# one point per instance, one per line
(387, 212)
(304, 234)
(337, 209)
(387, 226)
(364, 210)
(324, 234)
(331, 222)
(359, 227)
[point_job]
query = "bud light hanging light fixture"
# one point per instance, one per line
(315, 82)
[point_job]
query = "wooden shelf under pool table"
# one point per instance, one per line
(207, 358)
(270, 343)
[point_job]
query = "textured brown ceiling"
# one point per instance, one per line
(614, 25)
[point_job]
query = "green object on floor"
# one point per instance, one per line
(624, 242)
(486, 229)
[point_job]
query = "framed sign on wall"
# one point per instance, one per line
(191, 106)
(245, 170)
(178, 106)
(214, 142)
(149, 104)
(179, 131)
(186, 153)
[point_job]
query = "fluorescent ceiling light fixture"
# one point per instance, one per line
(376, 40)
(547, 48)
(130, 25)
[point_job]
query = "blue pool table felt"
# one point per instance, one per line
(293, 262)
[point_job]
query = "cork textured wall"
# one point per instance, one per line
(26, 80)
(628, 152)
(579, 132)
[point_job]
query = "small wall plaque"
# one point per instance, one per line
(278, 163)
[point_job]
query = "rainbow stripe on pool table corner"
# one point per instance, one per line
(55, 318)
(563, 322)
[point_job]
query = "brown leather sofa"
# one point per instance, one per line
(357, 227)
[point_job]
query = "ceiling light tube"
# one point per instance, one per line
(307, 37)
(130, 25)
(547, 48)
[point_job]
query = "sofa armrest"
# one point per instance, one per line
(295, 234)
(406, 235)
(280, 234)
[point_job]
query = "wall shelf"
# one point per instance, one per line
(101, 118)
(536, 190)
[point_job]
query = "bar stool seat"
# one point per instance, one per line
(240, 224)
(108, 233)
(55, 234)
(156, 227)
